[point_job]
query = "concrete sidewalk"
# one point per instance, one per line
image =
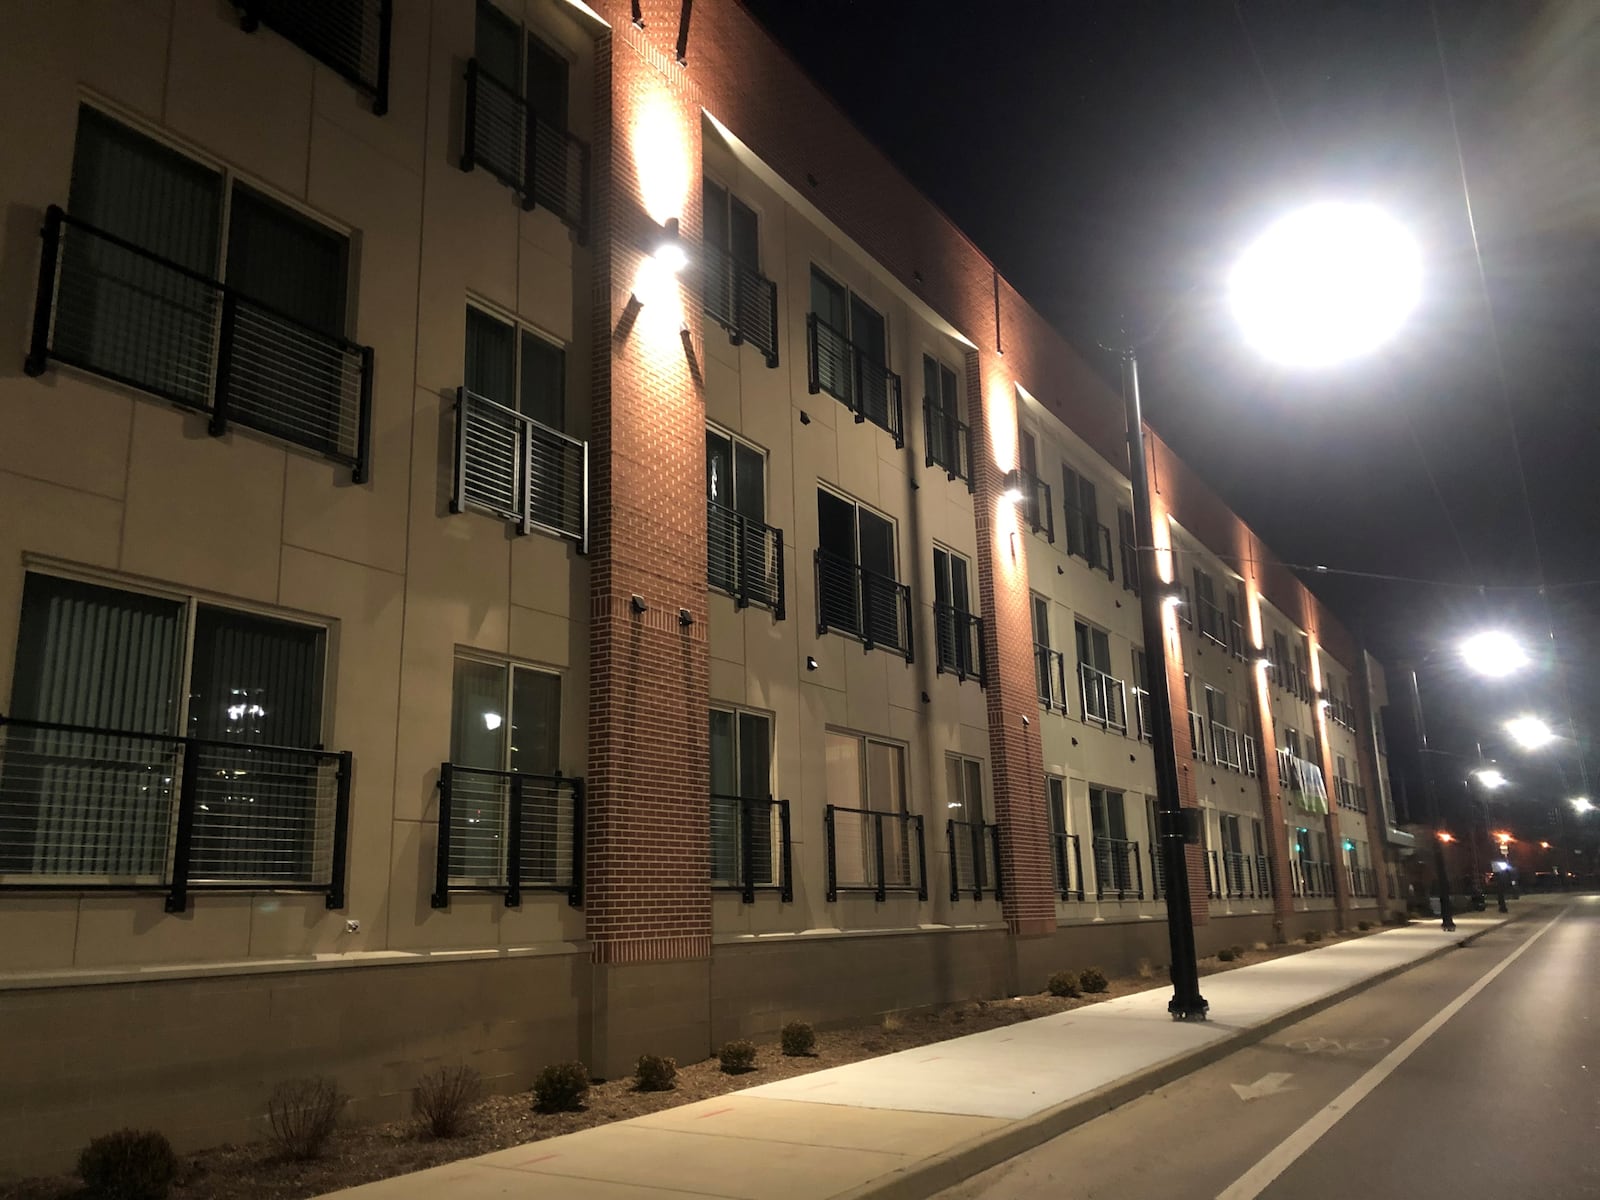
(908, 1124)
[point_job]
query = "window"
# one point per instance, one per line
(1049, 664)
(744, 819)
(849, 348)
(1103, 700)
(1116, 859)
(1141, 696)
(964, 783)
(216, 296)
(350, 36)
(971, 839)
(1225, 743)
(960, 648)
(1086, 538)
(1128, 536)
(92, 781)
(735, 293)
(875, 843)
(505, 747)
(512, 457)
(1236, 638)
(1036, 505)
(1212, 622)
(945, 433)
(1066, 853)
(1197, 725)
(1282, 664)
(744, 555)
(857, 588)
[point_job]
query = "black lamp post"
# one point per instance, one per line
(1447, 920)
(1186, 1003)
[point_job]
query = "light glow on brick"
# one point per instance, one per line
(660, 147)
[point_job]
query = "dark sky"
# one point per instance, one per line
(1112, 156)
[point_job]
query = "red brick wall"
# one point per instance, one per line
(647, 893)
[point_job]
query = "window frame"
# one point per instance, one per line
(512, 666)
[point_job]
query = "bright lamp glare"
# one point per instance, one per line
(1530, 732)
(1582, 803)
(672, 256)
(1490, 778)
(1327, 283)
(1494, 654)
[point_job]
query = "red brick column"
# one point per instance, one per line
(1274, 817)
(647, 885)
(1341, 872)
(1016, 755)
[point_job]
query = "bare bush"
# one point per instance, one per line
(443, 1100)
(304, 1113)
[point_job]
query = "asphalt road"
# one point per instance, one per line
(1473, 1076)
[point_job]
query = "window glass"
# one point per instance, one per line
(535, 722)
(886, 777)
(1041, 620)
(836, 525)
(498, 47)
(877, 543)
(491, 366)
(744, 231)
(544, 372)
(547, 83)
(292, 264)
(842, 770)
(828, 302)
(255, 679)
(1055, 801)
(478, 723)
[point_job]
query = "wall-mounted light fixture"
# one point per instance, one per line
(1013, 486)
(811, 663)
(637, 604)
(668, 250)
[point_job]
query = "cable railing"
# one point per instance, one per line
(958, 638)
(750, 846)
(1141, 708)
(1050, 673)
(873, 851)
(1226, 747)
(1197, 735)
(1363, 882)
(948, 442)
(1351, 796)
(740, 299)
(862, 603)
(1158, 872)
(1037, 508)
(514, 467)
(1068, 863)
(744, 557)
(83, 807)
(1312, 878)
(506, 831)
(1118, 870)
(853, 377)
(1090, 541)
(1238, 876)
(109, 307)
(1249, 754)
(1211, 621)
(545, 165)
(974, 848)
(350, 37)
(1104, 698)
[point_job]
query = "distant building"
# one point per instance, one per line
(432, 631)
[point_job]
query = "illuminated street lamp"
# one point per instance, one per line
(1323, 284)
(1582, 803)
(1490, 778)
(1530, 732)
(1494, 654)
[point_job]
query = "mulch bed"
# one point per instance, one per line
(361, 1154)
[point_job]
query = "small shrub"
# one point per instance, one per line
(443, 1100)
(1093, 980)
(655, 1073)
(130, 1164)
(739, 1057)
(1311, 935)
(1064, 983)
(1363, 925)
(304, 1113)
(561, 1086)
(799, 1039)
(1226, 954)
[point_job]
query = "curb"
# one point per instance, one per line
(963, 1161)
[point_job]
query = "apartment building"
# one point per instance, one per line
(514, 555)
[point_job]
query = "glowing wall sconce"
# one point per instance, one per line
(1013, 487)
(668, 250)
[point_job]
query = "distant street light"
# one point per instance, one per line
(1490, 778)
(1494, 654)
(1582, 803)
(1530, 732)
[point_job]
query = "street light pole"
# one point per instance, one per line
(1447, 920)
(1186, 1003)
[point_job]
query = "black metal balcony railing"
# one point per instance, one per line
(958, 637)
(1211, 621)
(107, 306)
(1351, 795)
(1311, 877)
(1226, 747)
(1363, 882)
(948, 442)
(1250, 754)
(974, 859)
(505, 831)
(878, 852)
(1141, 707)
(1050, 672)
(1089, 541)
(1068, 865)
(744, 557)
(546, 166)
(853, 377)
(1236, 643)
(84, 807)
(1238, 876)
(862, 603)
(1118, 870)
(750, 846)
(1158, 872)
(1105, 700)
(350, 37)
(742, 300)
(1037, 507)
(514, 467)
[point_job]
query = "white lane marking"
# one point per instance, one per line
(1256, 1180)
(1268, 1085)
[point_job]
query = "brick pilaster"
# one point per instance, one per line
(1016, 754)
(647, 886)
(1341, 870)
(1274, 817)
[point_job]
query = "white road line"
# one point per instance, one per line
(1256, 1180)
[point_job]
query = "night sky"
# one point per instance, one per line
(1112, 156)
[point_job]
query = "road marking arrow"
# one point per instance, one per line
(1268, 1085)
